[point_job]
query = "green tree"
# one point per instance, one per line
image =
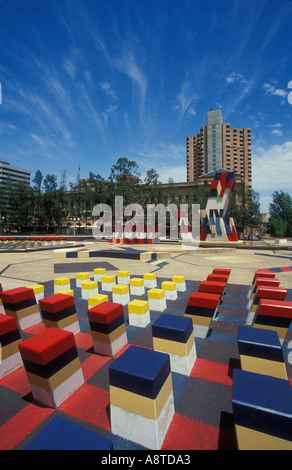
(280, 210)
(245, 210)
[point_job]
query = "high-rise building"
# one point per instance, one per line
(7, 171)
(218, 145)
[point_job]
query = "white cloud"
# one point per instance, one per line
(236, 77)
(272, 90)
(278, 132)
(272, 171)
(108, 89)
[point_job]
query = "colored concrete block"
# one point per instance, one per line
(260, 351)
(65, 291)
(97, 299)
(169, 288)
(38, 291)
(261, 281)
(137, 286)
(62, 434)
(59, 311)
(21, 304)
(139, 314)
(81, 277)
(141, 396)
(174, 335)
(61, 283)
(52, 366)
(264, 292)
(121, 294)
(10, 359)
(202, 308)
(156, 299)
(123, 277)
(88, 288)
(218, 277)
(212, 287)
(224, 271)
(108, 329)
(150, 280)
(180, 283)
(98, 273)
(262, 273)
(107, 282)
(274, 315)
(262, 410)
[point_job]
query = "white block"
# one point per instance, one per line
(137, 290)
(123, 299)
(139, 320)
(183, 364)
(110, 349)
(157, 304)
(147, 432)
(10, 364)
(56, 397)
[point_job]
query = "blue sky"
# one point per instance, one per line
(85, 82)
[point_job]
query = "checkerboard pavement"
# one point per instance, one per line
(203, 417)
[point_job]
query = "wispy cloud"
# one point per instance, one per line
(108, 89)
(186, 100)
(271, 89)
(236, 77)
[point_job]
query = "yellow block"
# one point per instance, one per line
(140, 307)
(61, 281)
(197, 320)
(89, 285)
(97, 299)
(99, 271)
(173, 347)
(263, 366)
(149, 276)
(37, 288)
(156, 294)
(120, 289)
(136, 282)
(123, 273)
(108, 278)
(139, 404)
(249, 439)
(65, 291)
(168, 285)
(83, 276)
(178, 279)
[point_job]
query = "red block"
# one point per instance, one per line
(264, 273)
(266, 292)
(14, 296)
(56, 302)
(7, 324)
(275, 308)
(46, 346)
(212, 287)
(218, 277)
(264, 281)
(204, 299)
(105, 312)
(221, 271)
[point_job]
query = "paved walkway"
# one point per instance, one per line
(21, 269)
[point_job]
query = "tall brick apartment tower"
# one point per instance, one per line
(218, 145)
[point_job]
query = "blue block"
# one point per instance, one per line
(258, 342)
(141, 371)
(262, 403)
(62, 434)
(173, 328)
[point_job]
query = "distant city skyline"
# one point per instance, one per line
(84, 83)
